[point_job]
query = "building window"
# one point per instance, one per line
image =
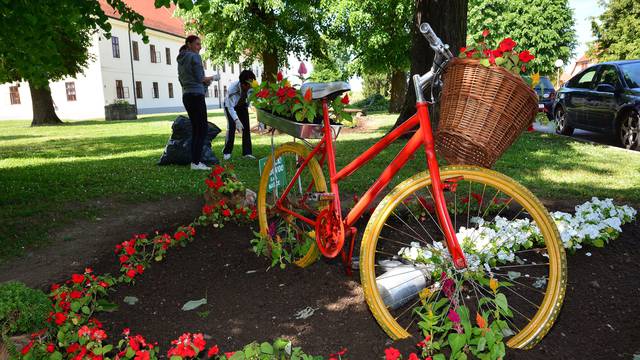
(115, 47)
(224, 67)
(136, 52)
(231, 66)
(167, 53)
(215, 67)
(71, 90)
(14, 95)
(204, 64)
(119, 89)
(224, 89)
(154, 57)
(156, 93)
(208, 92)
(170, 90)
(215, 91)
(139, 89)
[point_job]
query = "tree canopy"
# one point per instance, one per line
(42, 41)
(616, 31)
(544, 27)
(266, 30)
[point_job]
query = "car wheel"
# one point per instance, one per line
(629, 130)
(561, 122)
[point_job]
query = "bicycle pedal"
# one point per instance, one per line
(320, 196)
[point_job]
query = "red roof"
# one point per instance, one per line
(154, 18)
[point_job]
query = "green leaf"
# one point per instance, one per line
(598, 243)
(439, 357)
(130, 353)
(501, 301)
(56, 356)
(457, 342)
(239, 355)
(481, 343)
(266, 348)
(75, 306)
(86, 310)
(485, 62)
(193, 304)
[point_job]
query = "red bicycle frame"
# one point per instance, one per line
(424, 135)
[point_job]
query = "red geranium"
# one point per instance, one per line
(507, 44)
(77, 278)
(525, 56)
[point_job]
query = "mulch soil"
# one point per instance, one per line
(246, 302)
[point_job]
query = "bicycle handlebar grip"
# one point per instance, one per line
(430, 35)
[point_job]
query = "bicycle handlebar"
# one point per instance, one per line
(442, 56)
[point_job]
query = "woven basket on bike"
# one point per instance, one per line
(482, 112)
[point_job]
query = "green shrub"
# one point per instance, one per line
(375, 102)
(22, 309)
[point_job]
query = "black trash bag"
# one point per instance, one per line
(178, 149)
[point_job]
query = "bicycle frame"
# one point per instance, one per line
(423, 136)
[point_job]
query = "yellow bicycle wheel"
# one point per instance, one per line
(297, 237)
(511, 244)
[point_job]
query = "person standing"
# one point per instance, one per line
(194, 84)
(236, 109)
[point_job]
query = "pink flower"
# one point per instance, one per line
(485, 32)
(453, 316)
(302, 69)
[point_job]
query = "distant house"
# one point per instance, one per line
(574, 68)
(124, 69)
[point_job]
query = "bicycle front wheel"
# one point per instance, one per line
(294, 237)
(516, 274)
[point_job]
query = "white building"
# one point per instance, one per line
(124, 69)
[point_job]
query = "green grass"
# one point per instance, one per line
(51, 175)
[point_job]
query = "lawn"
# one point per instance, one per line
(50, 175)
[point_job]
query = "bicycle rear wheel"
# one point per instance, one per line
(510, 242)
(296, 237)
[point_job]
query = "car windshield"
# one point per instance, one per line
(631, 74)
(545, 84)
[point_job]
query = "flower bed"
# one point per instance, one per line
(73, 332)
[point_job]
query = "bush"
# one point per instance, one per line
(22, 309)
(375, 102)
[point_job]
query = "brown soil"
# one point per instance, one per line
(246, 302)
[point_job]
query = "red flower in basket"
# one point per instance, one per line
(525, 56)
(507, 44)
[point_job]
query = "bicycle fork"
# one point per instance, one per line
(437, 187)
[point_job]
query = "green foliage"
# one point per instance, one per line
(253, 29)
(25, 54)
(375, 102)
(22, 309)
(375, 33)
(280, 349)
(616, 31)
(544, 27)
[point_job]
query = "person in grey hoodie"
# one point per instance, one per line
(194, 84)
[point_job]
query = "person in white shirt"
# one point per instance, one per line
(236, 108)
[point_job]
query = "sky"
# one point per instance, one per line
(583, 10)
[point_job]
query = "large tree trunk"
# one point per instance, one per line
(42, 104)
(398, 90)
(270, 63)
(448, 18)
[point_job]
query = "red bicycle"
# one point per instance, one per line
(470, 224)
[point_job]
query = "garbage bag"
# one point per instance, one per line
(178, 149)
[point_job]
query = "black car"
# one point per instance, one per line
(546, 96)
(603, 98)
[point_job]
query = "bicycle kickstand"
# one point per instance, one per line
(347, 257)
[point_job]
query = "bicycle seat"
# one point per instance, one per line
(329, 90)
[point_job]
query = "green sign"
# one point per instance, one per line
(277, 176)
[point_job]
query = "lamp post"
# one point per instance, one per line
(559, 63)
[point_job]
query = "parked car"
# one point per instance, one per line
(546, 96)
(603, 98)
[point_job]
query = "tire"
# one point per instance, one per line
(629, 130)
(560, 118)
(379, 244)
(291, 155)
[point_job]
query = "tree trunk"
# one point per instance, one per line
(448, 18)
(270, 62)
(42, 104)
(398, 89)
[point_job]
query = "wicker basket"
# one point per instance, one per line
(483, 110)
